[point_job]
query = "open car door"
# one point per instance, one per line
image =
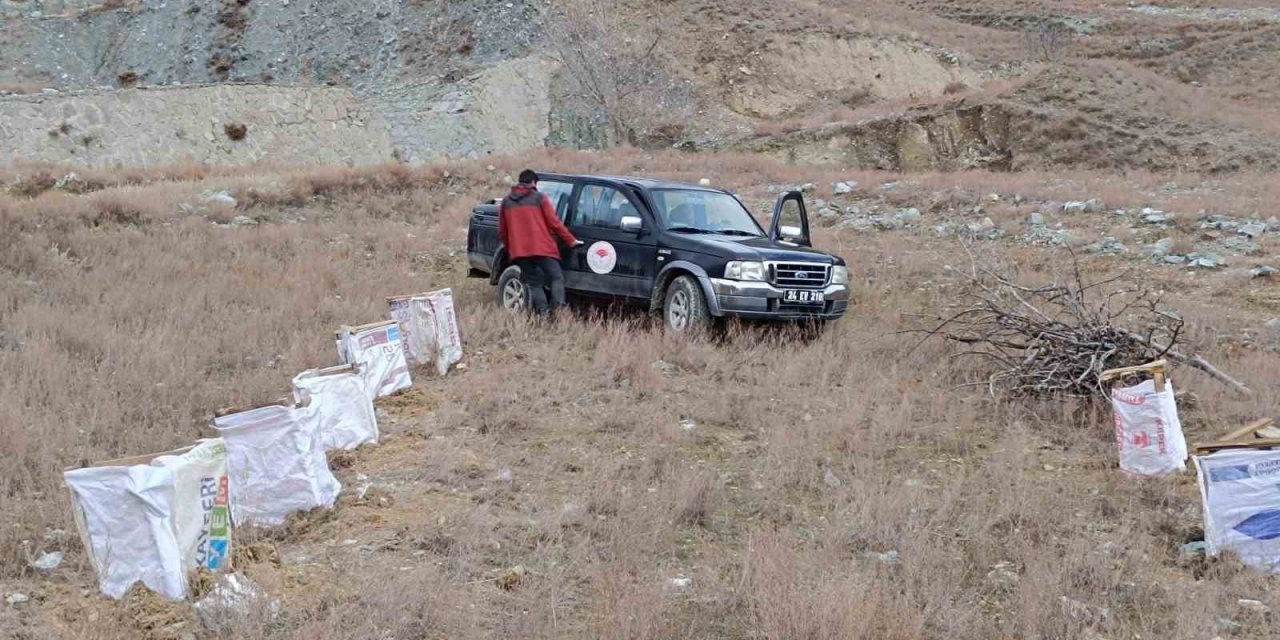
(790, 223)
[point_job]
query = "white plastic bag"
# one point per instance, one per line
(430, 328)
(276, 463)
(153, 519)
(1148, 432)
(347, 418)
(1240, 490)
(377, 350)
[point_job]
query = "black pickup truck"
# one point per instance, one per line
(692, 252)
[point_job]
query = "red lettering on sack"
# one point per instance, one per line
(1127, 398)
(1141, 439)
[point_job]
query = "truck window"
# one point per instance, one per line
(602, 207)
(559, 192)
(709, 211)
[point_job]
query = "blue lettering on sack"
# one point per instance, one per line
(1228, 474)
(393, 332)
(217, 554)
(1264, 525)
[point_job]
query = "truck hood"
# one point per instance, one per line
(759, 249)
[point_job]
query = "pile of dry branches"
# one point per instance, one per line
(1057, 338)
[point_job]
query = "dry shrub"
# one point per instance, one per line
(628, 84)
(33, 184)
(127, 78)
(695, 500)
(235, 132)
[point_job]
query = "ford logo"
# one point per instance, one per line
(802, 275)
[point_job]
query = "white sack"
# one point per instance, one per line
(153, 521)
(276, 463)
(347, 418)
(430, 328)
(1240, 489)
(1148, 432)
(378, 352)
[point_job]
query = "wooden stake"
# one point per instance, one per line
(1261, 443)
(1246, 432)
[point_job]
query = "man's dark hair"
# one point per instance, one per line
(528, 177)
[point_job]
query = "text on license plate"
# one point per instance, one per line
(798, 296)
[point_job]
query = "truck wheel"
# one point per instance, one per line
(686, 309)
(512, 294)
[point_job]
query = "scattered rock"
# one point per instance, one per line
(1204, 260)
(889, 557)
(242, 221)
(985, 228)
(16, 599)
(807, 187)
(688, 424)
(1042, 236)
(680, 582)
(704, 182)
(221, 197)
(1273, 324)
(509, 579)
(1153, 216)
(1193, 551)
(1263, 271)
(505, 475)
(1252, 230)
(1175, 259)
(1253, 605)
(234, 597)
(842, 188)
(666, 368)
(1035, 219)
(1227, 624)
(48, 561)
(1003, 576)
(1158, 249)
(1107, 246)
(1093, 205)
(829, 478)
(1241, 245)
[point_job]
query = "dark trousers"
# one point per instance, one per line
(538, 275)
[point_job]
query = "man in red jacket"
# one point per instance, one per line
(528, 227)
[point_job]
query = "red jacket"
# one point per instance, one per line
(526, 222)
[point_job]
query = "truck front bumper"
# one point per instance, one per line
(763, 301)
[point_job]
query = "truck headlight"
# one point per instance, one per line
(839, 275)
(738, 270)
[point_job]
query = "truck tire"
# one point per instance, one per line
(685, 310)
(512, 294)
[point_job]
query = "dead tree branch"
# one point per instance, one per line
(1057, 338)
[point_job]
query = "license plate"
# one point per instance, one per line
(799, 296)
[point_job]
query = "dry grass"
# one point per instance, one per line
(128, 317)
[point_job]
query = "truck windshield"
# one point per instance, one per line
(694, 211)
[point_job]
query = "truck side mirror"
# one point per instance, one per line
(631, 223)
(789, 232)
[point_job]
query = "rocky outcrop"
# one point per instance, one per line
(218, 124)
(503, 109)
(965, 137)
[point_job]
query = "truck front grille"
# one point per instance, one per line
(799, 275)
